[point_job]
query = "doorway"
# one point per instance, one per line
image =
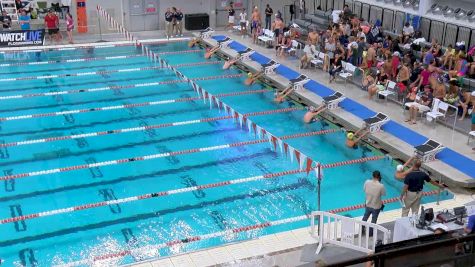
(143, 15)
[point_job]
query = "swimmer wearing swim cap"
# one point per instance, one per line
(249, 74)
(350, 135)
(400, 173)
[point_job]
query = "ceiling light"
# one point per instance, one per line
(407, 3)
(471, 16)
(460, 13)
(398, 2)
(436, 9)
(448, 12)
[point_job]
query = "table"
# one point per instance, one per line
(403, 229)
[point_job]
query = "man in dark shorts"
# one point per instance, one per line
(52, 25)
(413, 186)
(269, 13)
(6, 20)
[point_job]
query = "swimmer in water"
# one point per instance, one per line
(228, 63)
(352, 139)
(194, 42)
(312, 113)
(280, 97)
(251, 78)
(210, 52)
(400, 172)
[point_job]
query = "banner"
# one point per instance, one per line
(22, 38)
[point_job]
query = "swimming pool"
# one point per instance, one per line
(99, 105)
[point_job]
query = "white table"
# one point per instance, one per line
(403, 230)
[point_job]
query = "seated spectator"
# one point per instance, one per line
(452, 96)
(407, 32)
(308, 55)
(422, 105)
(368, 80)
(330, 48)
(380, 85)
(424, 77)
(439, 89)
(448, 57)
(403, 76)
(24, 20)
(427, 55)
(284, 45)
(461, 67)
(411, 95)
(6, 20)
(415, 74)
(336, 67)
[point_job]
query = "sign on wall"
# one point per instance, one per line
(22, 38)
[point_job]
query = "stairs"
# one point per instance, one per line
(10, 7)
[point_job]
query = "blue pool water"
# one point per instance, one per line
(82, 234)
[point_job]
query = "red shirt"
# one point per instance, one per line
(52, 21)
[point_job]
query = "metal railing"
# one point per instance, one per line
(347, 232)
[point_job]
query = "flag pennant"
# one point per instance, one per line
(291, 153)
(280, 145)
(274, 142)
(254, 126)
(210, 98)
(241, 120)
(259, 131)
(309, 165)
(286, 148)
(297, 156)
(244, 120)
(269, 137)
(249, 125)
(303, 161)
(205, 96)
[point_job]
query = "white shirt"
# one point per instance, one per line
(408, 30)
(243, 17)
(336, 15)
(309, 50)
(361, 34)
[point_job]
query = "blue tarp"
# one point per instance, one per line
(219, 37)
(448, 156)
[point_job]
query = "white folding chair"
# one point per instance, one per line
(389, 90)
(347, 72)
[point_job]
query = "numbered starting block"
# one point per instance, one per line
(299, 82)
(269, 67)
(428, 150)
(375, 123)
(332, 101)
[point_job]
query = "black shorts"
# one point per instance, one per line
(53, 31)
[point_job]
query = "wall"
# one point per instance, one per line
(113, 7)
(189, 6)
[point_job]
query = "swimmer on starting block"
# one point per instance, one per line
(194, 42)
(400, 172)
(280, 97)
(251, 78)
(352, 139)
(312, 113)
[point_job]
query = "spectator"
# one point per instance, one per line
(330, 48)
(407, 32)
(374, 191)
(268, 11)
(278, 28)
(452, 96)
(6, 20)
(461, 67)
(395, 64)
(169, 22)
(336, 67)
(231, 13)
(413, 186)
(422, 105)
(402, 77)
(179, 22)
(313, 37)
(255, 19)
(380, 85)
(69, 27)
(448, 57)
(24, 20)
(368, 80)
(284, 45)
(439, 89)
(243, 21)
(52, 24)
(309, 54)
(256, 33)
(470, 227)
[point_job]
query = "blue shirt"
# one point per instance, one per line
(428, 58)
(25, 26)
(471, 223)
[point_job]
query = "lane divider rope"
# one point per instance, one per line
(86, 110)
(51, 62)
(144, 128)
(81, 74)
(106, 88)
(152, 156)
(172, 192)
(190, 239)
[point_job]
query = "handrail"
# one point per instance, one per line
(340, 230)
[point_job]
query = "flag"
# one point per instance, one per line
(309, 165)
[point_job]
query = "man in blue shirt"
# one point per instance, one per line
(429, 57)
(470, 227)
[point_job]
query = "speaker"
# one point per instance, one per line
(195, 22)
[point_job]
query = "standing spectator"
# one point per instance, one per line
(24, 20)
(413, 186)
(168, 21)
(278, 28)
(255, 20)
(52, 24)
(174, 22)
(395, 64)
(179, 22)
(243, 21)
(6, 20)
(374, 190)
(69, 27)
(231, 13)
(269, 13)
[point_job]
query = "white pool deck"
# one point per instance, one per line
(250, 253)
